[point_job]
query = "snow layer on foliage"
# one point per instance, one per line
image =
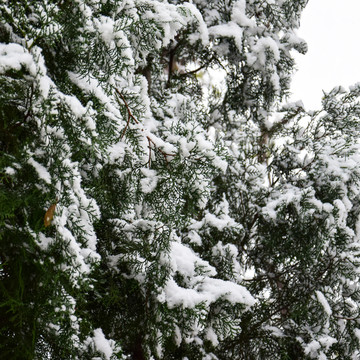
(196, 141)
(146, 127)
(207, 147)
(159, 142)
(230, 29)
(75, 105)
(203, 30)
(259, 51)
(210, 291)
(170, 18)
(112, 35)
(186, 261)
(341, 167)
(217, 288)
(14, 56)
(116, 152)
(263, 56)
(260, 42)
(201, 287)
(73, 246)
(297, 42)
(148, 184)
(79, 214)
(41, 170)
(357, 334)
(315, 347)
(177, 335)
(195, 238)
(105, 27)
(236, 26)
(231, 253)
(342, 211)
(211, 336)
(292, 194)
(44, 242)
(9, 170)
(99, 343)
(91, 85)
(324, 303)
(219, 220)
(220, 163)
(102, 344)
(238, 14)
(186, 147)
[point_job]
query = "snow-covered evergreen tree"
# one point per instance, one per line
(150, 212)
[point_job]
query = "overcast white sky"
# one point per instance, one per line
(332, 31)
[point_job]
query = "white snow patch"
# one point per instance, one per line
(238, 14)
(9, 171)
(220, 164)
(230, 29)
(44, 241)
(357, 333)
(178, 337)
(234, 293)
(148, 184)
(322, 300)
(194, 237)
(75, 105)
(186, 146)
(41, 170)
(185, 260)
(208, 292)
(116, 152)
(312, 348)
(220, 222)
(13, 56)
(102, 344)
(342, 212)
(258, 53)
(105, 26)
(201, 288)
(211, 336)
(327, 341)
(204, 33)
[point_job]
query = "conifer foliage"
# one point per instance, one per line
(148, 212)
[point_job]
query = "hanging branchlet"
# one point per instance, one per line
(130, 115)
(151, 142)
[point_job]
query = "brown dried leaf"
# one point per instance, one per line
(49, 215)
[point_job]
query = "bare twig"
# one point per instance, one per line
(161, 151)
(149, 161)
(193, 71)
(130, 115)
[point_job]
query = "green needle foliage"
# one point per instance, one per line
(159, 199)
